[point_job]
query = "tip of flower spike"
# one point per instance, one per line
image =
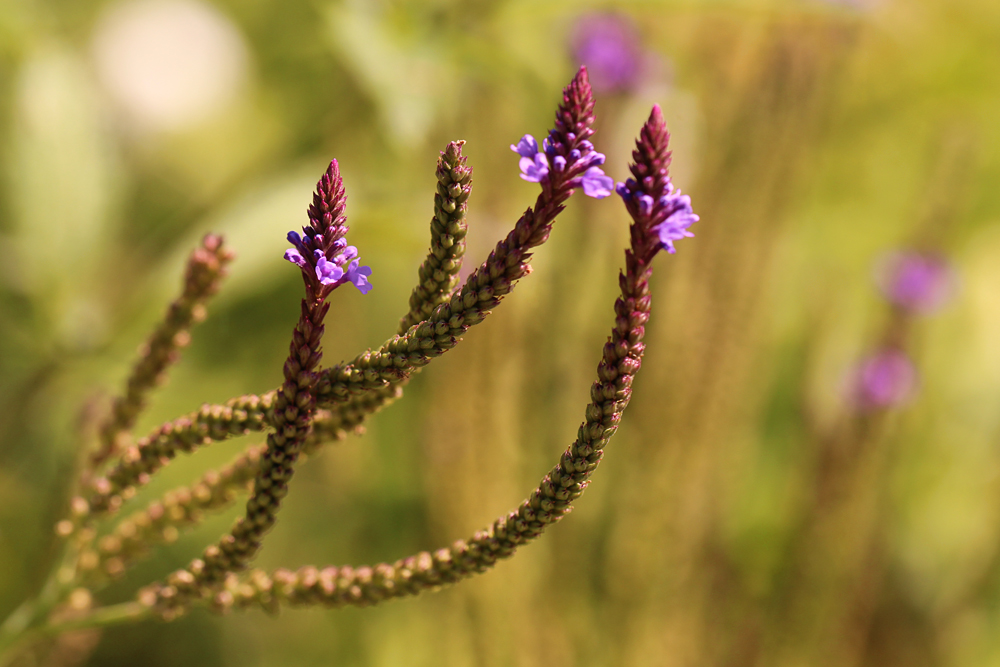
(326, 213)
(656, 117)
(651, 154)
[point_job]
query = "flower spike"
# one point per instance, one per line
(321, 251)
(566, 159)
(660, 213)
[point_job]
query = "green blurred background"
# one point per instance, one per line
(812, 136)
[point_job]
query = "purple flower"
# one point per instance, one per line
(327, 272)
(350, 252)
(526, 147)
(294, 256)
(915, 281)
(669, 215)
(609, 45)
(596, 184)
(358, 276)
(534, 168)
(675, 226)
(884, 379)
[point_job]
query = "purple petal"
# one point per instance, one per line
(596, 184)
(294, 238)
(295, 257)
(350, 252)
(645, 204)
(358, 276)
(327, 272)
(559, 163)
(526, 147)
(534, 170)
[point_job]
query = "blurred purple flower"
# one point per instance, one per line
(609, 45)
(915, 281)
(885, 379)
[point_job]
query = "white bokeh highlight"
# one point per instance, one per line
(169, 64)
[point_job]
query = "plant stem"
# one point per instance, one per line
(16, 634)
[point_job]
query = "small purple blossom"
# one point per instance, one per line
(526, 147)
(534, 168)
(675, 226)
(914, 281)
(295, 257)
(885, 379)
(327, 272)
(596, 184)
(358, 276)
(671, 213)
(609, 45)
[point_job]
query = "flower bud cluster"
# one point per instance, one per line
(205, 269)
(438, 275)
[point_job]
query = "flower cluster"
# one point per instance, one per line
(321, 251)
(581, 163)
(329, 265)
(670, 213)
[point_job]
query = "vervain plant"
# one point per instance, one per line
(315, 405)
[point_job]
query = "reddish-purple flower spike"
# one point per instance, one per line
(661, 214)
(321, 251)
(566, 159)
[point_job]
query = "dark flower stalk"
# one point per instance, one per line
(610, 394)
(322, 254)
(205, 269)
